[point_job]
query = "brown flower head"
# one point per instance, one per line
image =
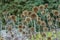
(25, 13)
(35, 9)
(43, 23)
(9, 28)
(20, 30)
(29, 13)
(41, 7)
(28, 19)
(1, 38)
(39, 22)
(32, 29)
(43, 34)
(13, 17)
(46, 5)
(38, 18)
(33, 16)
(22, 15)
(55, 12)
(45, 29)
(43, 12)
(50, 23)
(20, 26)
(24, 32)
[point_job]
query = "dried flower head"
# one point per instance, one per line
(1, 38)
(35, 9)
(38, 18)
(55, 12)
(42, 12)
(50, 23)
(58, 19)
(45, 29)
(13, 17)
(29, 13)
(25, 13)
(28, 19)
(32, 29)
(25, 22)
(20, 30)
(9, 27)
(43, 23)
(39, 22)
(33, 16)
(46, 5)
(24, 32)
(43, 34)
(20, 26)
(41, 7)
(22, 15)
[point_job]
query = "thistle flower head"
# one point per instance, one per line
(32, 29)
(25, 13)
(20, 30)
(45, 29)
(43, 34)
(39, 22)
(28, 19)
(9, 27)
(20, 26)
(55, 12)
(29, 13)
(41, 7)
(23, 32)
(13, 17)
(43, 23)
(42, 12)
(50, 23)
(35, 9)
(46, 5)
(33, 16)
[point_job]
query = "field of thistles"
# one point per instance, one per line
(29, 19)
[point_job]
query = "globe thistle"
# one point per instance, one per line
(35, 9)
(25, 13)
(41, 7)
